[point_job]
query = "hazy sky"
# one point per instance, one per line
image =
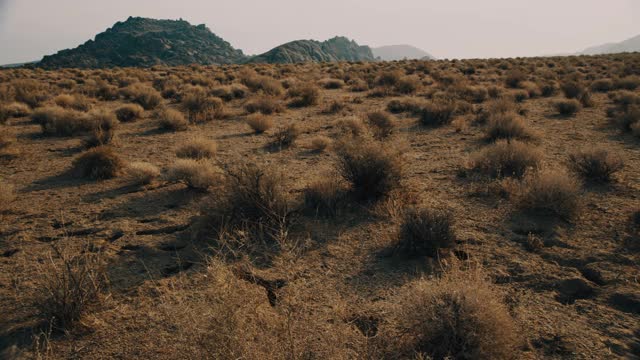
(30, 29)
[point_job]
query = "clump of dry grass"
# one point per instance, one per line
(104, 125)
(259, 123)
(371, 169)
(255, 82)
(508, 125)
(572, 89)
(30, 91)
(507, 158)
(56, 121)
(8, 141)
(424, 232)
(324, 197)
(7, 195)
(389, 78)
(602, 85)
(550, 192)
(129, 112)
(409, 104)
(266, 105)
(13, 110)
(595, 165)
(286, 137)
(77, 102)
(145, 95)
(353, 126)
(230, 92)
(171, 120)
(320, 143)
(334, 107)
(567, 107)
(196, 174)
(457, 316)
(304, 95)
(201, 107)
(98, 163)
(331, 83)
(514, 78)
(69, 285)
(382, 124)
(142, 173)
(407, 85)
(197, 148)
(437, 113)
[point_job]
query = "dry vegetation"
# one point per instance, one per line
(465, 209)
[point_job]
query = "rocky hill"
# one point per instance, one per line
(336, 49)
(146, 42)
(629, 45)
(400, 52)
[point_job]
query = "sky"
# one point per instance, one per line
(30, 29)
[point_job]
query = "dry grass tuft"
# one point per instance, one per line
(103, 130)
(197, 148)
(13, 110)
(7, 195)
(196, 174)
(142, 173)
(324, 197)
(458, 316)
(567, 107)
(551, 192)
(8, 142)
(424, 232)
(382, 124)
(56, 121)
(304, 95)
(76, 102)
(259, 123)
(437, 113)
(144, 95)
(286, 137)
(129, 112)
(98, 163)
(507, 158)
(201, 107)
(596, 165)
(320, 143)
(508, 125)
(265, 104)
(171, 120)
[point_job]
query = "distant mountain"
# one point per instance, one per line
(336, 49)
(629, 45)
(146, 42)
(400, 52)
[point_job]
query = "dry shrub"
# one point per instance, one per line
(507, 158)
(104, 125)
(437, 113)
(201, 107)
(30, 91)
(320, 143)
(627, 83)
(286, 136)
(407, 85)
(197, 148)
(259, 123)
(265, 104)
(98, 163)
(497, 106)
(331, 83)
(230, 92)
(304, 95)
(519, 95)
(353, 126)
(371, 169)
(13, 110)
(514, 78)
(457, 316)
(572, 89)
(567, 107)
(382, 124)
(77, 102)
(7, 195)
(265, 84)
(389, 78)
(551, 192)
(548, 89)
(508, 125)
(57, 121)
(595, 165)
(68, 285)
(196, 174)
(411, 105)
(602, 85)
(358, 85)
(424, 232)
(142, 173)
(254, 199)
(171, 120)
(324, 197)
(144, 95)
(129, 112)
(334, 107)
(8, 141)
(532, 89)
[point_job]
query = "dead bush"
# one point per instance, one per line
(389, 78)
(259, 123)
(103, 128)
(286, 136)
(129, 112)
(627, 83)
(265, 105)
(514, 78)
(334, 107)
(201, 107)
(572, 89)
(507, 158)
(171, 120)
(410, 105)
(424, 232)
(381, 123)
(77, 102)
(602, 85)
(320, 143)
(145, 95)
(331, 84)
(324, 197)
(567, 107)
(304, 95)
(13, 110)
(196, 174)
(595, 165)
(508, 125)
(407, 85)
(197, 148)
(457, 316)
(8, 142)
(255, 82)
(68, 285)
(437, 113)
(29, 91)
(550, 192)
(98, 163)
(142, 173)
(371, 169)
(353, 126)
(56, 121)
